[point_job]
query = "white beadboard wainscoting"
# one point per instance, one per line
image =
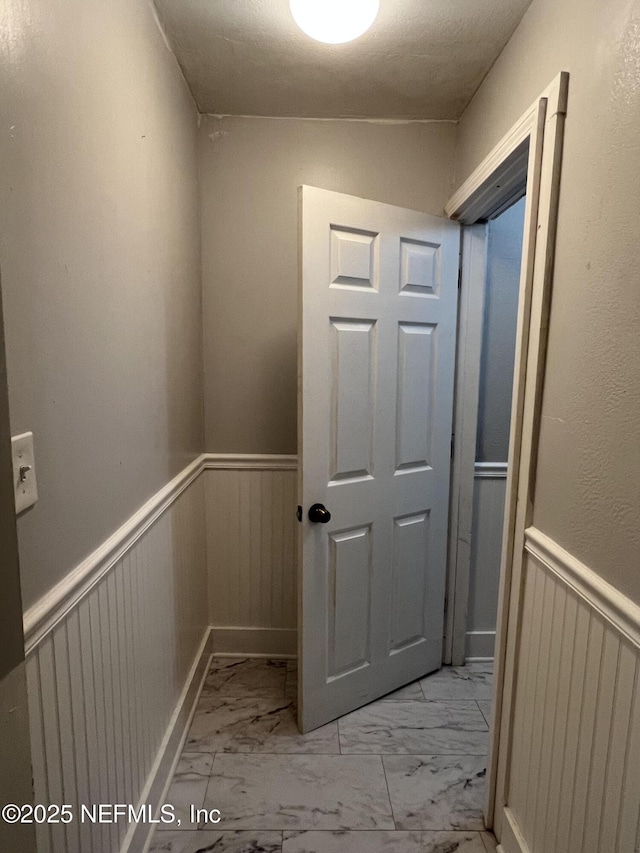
(575, 778)
(252, 553)
(489, 490)
(115, 656)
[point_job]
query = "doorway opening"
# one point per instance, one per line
(499, 323)
(528, 157)
(489, 297)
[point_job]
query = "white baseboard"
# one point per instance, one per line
(512, 840)
(254, 642)
(139, 835)
(480, 645)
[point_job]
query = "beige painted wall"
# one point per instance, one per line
(588, 488)
(250, 170)
(99, 252)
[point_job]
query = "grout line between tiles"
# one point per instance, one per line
(386, 781)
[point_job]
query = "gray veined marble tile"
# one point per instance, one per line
(255, 724)
(291, 683)
(245, 677)
(436, 791)
(381, 841)
(485, 707)
(188, 787)
(415, 727)
(299, 792)
(408, 692)
(217, 842)
(473, 681)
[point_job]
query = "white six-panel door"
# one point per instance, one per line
(379, 288)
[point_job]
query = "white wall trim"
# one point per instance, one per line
(352, 119)
(254, 642)
(504, 163)
(249, 462)
(480, 645)
(615, 607)
(154, 793)
(106, 711)
(491, 470)
(543, 125)
(512, 839)
(42, 616)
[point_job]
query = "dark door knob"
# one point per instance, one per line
(319, 514)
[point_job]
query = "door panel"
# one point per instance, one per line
(410, 556)
(416, 356)
(352, 398)
(377, 347)
(350, 601)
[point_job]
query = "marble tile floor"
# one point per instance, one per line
(405, 774)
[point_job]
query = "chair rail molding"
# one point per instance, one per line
(42, 616)
(491, 470)
(249, 462)
(615, 607)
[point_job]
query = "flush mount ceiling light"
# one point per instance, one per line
(334, 21)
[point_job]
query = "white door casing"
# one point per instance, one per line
(542, 129)
(379, 291)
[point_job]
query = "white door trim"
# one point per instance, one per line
(472, 288)
(540, 130)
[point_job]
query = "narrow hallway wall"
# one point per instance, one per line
(99, 251)
(577, 667)
(587, 491)
(100, 260)
(250, 170)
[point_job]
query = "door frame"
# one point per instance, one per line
(473, 263)
(531, 150)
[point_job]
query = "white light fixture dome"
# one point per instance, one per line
(334, 21)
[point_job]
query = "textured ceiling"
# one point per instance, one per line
(422, 59)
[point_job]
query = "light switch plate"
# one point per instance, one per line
(24, 471)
